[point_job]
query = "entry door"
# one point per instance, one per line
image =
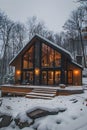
(44, 77)
(50, 77)
(47, 77)
(70, 77)
(57, 77)
(28, 77)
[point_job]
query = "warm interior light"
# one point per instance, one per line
(76, 72)
(37, 71)
(18, 72)
(57, 72)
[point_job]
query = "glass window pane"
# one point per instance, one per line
(28, 77)
(57, 77)
(44, 77)
(28, 58)
(50, 77)
(50, 57)
(57, 59)
(44, 55)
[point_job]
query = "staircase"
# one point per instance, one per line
(42, 93)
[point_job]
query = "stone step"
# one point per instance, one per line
(38, 97)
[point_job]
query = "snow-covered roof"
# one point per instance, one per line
(44, 40)
(75, 63)
(57, 46)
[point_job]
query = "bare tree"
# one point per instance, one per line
(59, 38)
(12, 36)
(74, 26)
(5, 31)
(18, 37)
(35, 26)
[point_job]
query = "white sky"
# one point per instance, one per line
(53, 12)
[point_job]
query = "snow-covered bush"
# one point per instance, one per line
(9, 78)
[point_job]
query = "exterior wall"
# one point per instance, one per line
(18, 71)
(76, 74)
(77, 79)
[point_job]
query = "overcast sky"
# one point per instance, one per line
(53, 12)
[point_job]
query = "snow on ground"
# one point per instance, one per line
(74, 118)
(0, 93)
(84, 80)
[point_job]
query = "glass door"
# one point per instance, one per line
(44, 77)
(28, 77)
(50, 77)
(57, 77)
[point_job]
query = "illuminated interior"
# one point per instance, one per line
(50, 57)
(28, 58)
(51, 77)
(28, 77)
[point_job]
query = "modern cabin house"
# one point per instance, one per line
(41, 62)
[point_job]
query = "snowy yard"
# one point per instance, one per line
(73, 118)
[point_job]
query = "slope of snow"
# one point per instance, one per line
(75, 115)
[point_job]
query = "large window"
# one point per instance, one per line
(57, 59)
(50, 57)
(44, 77)
(28, 59)
(57, 77)
(51, 77)
(28, 77)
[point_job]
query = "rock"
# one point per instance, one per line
(62, 85)
(74, 100)
(26, 119)
(41, 112)
(37, 113)
(5, 120)
(23, 121)
(21, 124)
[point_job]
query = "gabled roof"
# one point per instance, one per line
(43, 40)
(76, 64)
